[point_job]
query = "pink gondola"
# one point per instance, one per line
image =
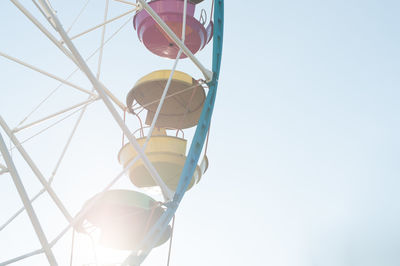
(171, 11)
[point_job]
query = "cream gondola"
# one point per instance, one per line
(182, 106)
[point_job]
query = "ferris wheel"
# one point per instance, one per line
(163, 123)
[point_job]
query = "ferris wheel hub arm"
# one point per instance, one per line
(85, 103)
(103, 94)
(66, 82)
(100, 25)
(35, 169)
(27, 255)
(28, 206)
(42, 29)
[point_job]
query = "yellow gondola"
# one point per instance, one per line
(167, 154)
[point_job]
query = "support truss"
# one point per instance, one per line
(67, 47)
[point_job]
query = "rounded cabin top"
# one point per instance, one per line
(183, 103)
(164, 74)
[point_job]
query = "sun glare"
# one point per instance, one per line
(90, 252)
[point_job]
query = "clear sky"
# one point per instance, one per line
(304, 147)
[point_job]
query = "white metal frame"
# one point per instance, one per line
(28, 206)
(67, 47)
(101, 24)
(46, 73)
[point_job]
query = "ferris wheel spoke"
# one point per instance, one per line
(46, 128)
(42, 29)
(75, 70)
(100, 88)
(56, 167)
(103, 32)
(72, 73)
(102, 24)
(27, 255)
(78, 121)
(51, 177)
(127, 2)
(84, 103)
(46, 73)
(15, 215)
(28, 206)
(61, 47)
(53, 173)
(35, 170)
(100, 60)
(83, 110)
(78, 16)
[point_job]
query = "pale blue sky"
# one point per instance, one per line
(304, 148)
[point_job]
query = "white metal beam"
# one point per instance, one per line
(46, 73)
(35, 170)
(52, 174)
(56, 114)
(78, 16)
(28, 206)
(42, 28)
(27, 255)
(101, 91)
(21, 210)
(102, 24)
(59, 45)
(127, 2)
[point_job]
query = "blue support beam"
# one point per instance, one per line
(196, 147)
